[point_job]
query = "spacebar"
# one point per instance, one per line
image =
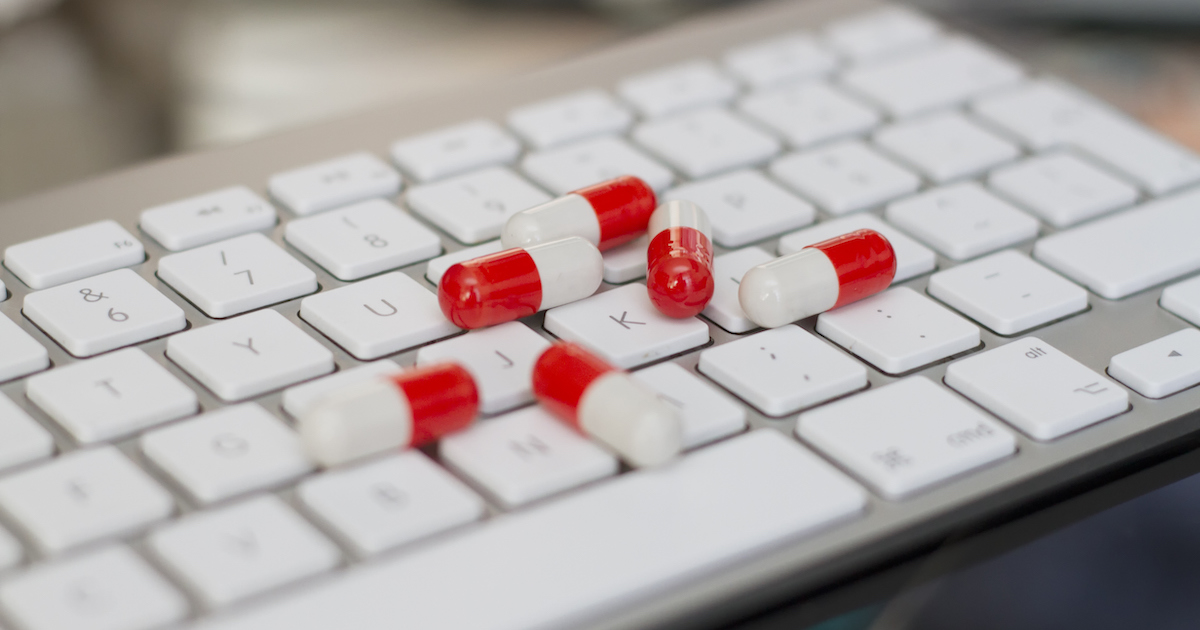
(564, 562)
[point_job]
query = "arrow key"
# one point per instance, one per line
(1162, 367)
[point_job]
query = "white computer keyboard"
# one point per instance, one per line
(156, 346)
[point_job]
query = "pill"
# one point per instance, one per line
(679, 260)
(606, 215)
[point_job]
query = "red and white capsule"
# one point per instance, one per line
(607, 404)
(518, 282)
(393, 412)
(679, 261)
(607, 214)
(818, 278)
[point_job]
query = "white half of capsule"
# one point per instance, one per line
(362, 420)
(679, 213)
(631, 419)
(570, 269)
(569, 215)
(789, 288)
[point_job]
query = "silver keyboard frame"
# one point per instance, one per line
(888, 530)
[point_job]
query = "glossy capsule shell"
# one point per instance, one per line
(679, 261)
(519, 282)
(607, 214)
(607, 404)
(394, 412)
(818, 278)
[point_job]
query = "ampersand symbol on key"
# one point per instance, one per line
(90, 296)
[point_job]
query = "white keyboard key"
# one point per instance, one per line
(227, 452)
(249, 355)
(783, 370)
(525, 456)
(624, 327)
(725, 309)
(1183, 299)
(103, 313)
(232, 553)
(940, 75)
(1120, 255)
(912, 258)
(73, 254)
(1165, 366)
(1007, 292)
(880, 33)
(844, 177)
(1062, 189)
(1042, 114)
(626, 262)
(379, 316)
(21, 439)
(522, 572)
(707, 415)
(745, 206)
(238, 275)
(439, 265)
(10, 551)
(500, 358)
(22, 354)
(898, 330)
(780, 60)
(706, 142)
(569, 118)
(82, 497)
(945, 146)
(473, 207)
(3, 291)
(962, 221)
(906, 436)
(677, 88)
(390, 502)
(207, 218)
(296, 401)
(1034, 387)
(109, 589)
(574, 166)
(111, 396)
(363, 239)
(809, 113)
(333, 183)
(453, 150)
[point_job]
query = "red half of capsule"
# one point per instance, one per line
(443, 399)
(864, 261)
(491, 289)
(623, 207)
(680, 274)
(562, 374)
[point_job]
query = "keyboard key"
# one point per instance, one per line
(809, 113)
(82, 497)
(3, 291)
(207, 218)
(22, 355)
(569, 118)
(898, 330)
(1165, 366)
(73, 254)
(912, 258)
(1034, 387)
(945, 146)
(228, 452)
(574, 166)
(707, 415)
(500, 359)
(238, 275)
(378, 317)
(624, 327)
(10, 552)
(725, 309)
(455, 150)
(333, 183)
(779, 61)
(245, 549)
(626, 262)
(939, 75)
(363, 239)
(473, 207)
(745, 206)
(390, 502)
(1062, 189)
(906, 436)
(249, 355)
(1007, 292)
(880, 33)
(1120, 255)
(1183, 299)
(296, 401)
(844, 177)
(111, 396)
(962, 221)
(783, 370)
(525, 456)
(706, 142)
(22, 440)
(103, 313)
(439, 265)
(677, 88)
(110, 589)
